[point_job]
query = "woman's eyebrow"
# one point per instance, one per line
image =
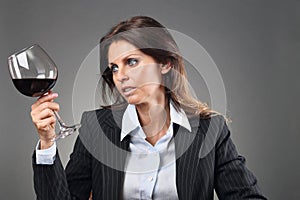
(129, 55)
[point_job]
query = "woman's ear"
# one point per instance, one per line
(165, 68)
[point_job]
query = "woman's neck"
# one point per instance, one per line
(154, 119)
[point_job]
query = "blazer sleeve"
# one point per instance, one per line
(232, 179)
(52, 182)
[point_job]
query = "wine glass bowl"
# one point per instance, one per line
(34, 73)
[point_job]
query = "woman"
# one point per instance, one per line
(155, 141)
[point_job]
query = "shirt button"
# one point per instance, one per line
(150, 179)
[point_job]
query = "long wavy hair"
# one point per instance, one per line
(153, 39)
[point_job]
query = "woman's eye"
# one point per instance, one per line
(114, 68)
(132, 61)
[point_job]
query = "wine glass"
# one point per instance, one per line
(34, 73)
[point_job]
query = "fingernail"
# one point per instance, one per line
(54, 95)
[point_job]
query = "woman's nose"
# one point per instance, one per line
(122, 75)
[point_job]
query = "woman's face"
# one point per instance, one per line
(136, 75)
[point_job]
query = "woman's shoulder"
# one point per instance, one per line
(210, 127)
(216, 120)
(99, 111)
(103, 116)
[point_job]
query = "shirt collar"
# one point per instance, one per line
(130, 119)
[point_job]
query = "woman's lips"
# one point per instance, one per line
(127, 91)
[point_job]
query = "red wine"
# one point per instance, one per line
(34, 87)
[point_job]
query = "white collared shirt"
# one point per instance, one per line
(150, 171)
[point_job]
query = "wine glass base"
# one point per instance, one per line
(66, 131)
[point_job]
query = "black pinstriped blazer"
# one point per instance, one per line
(206, 160)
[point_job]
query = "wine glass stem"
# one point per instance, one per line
(60, 121)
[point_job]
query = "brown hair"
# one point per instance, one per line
(153, 39)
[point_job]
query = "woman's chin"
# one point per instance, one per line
(132, 100)
(135, 100)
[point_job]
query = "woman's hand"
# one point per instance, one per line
(44, 119)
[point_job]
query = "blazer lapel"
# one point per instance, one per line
(187, 147)
(117, 151)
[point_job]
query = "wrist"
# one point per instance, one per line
(45, 144)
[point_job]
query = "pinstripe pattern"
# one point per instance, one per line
(206, 159)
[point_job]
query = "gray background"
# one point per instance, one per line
(253, 42)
